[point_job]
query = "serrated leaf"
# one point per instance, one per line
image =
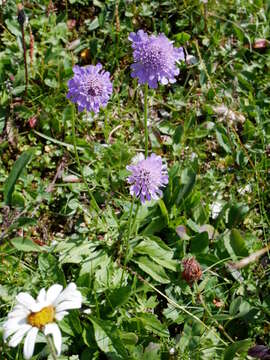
(15, 173)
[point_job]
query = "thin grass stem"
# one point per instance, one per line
(92, 199)
(145, 118)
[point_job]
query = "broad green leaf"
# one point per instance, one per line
(153, 324)
(25, 244)
(119, 296)
(49, 268)
(163, 210)
(237, 347)
(157, 253)
(107, 339)
(155, 271)
(199, 243)
(156, 225)
(238, 243)
(237, 212)
(223, 140)
(15, 173)
(129, 338)
(188, 178)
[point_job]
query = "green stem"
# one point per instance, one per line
(51, 347)
(145, 119)
(126, 241)
(93, 200)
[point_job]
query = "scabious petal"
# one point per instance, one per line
(147, 177)
(29, 343)
(155, 58)
(57, 338)
(90, 87)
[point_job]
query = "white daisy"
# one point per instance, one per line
(30, 315)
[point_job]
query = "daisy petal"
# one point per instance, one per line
(57, 338)
(68, 305)
(18, 336)
(26, 300)
(53, 292)
(29, 343)
(42, 295)
(60, 315)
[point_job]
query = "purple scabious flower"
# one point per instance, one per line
(154, 58)
(90, 87)
(147, 177)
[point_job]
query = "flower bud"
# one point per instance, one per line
(21, 15)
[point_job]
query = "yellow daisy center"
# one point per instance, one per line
(41, 318)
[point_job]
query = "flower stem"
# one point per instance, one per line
(126, 239)
(145, 119)
(93, 200)
(51, 347)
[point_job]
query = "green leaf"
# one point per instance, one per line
(25, 244)
(107, 339)
(199, 243)
(93, 24)
(155, 271)
(119, 296)
(238, 243)
(223, 140)
(129, 338)
(163, 210)
(15, 173)
(160, 254)
(49, 268)
(237, 347)
(153, 324)
(188, 178)
(237, 212)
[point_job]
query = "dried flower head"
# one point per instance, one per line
(90, 87)
(192, 270)
(154, 58)
(147, 177)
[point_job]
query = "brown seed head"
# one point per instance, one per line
(21, 14)
(192, 270)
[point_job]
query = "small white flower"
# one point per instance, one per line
(29, 316)
(215, 209)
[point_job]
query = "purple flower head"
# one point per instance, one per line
(154, 58)
(147, 177)
(90, 87)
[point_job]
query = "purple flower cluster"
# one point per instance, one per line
(154, 58)
(90, 87)
(147, 177)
